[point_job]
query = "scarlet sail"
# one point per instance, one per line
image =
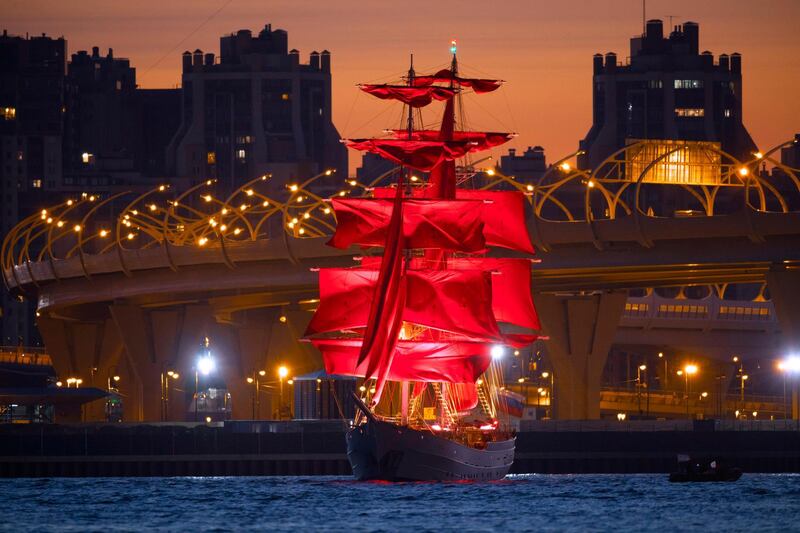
(413, 361)
(413, 96)
(452, 225)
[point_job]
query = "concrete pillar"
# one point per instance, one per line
(84, 350)
(142, 394)
(581, 331)
(784, 289)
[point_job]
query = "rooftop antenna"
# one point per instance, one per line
(644, 17)
(670, 20)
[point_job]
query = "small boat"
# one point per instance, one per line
(690, 470)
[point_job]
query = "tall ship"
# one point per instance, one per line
(434, 304)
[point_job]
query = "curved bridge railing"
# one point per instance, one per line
(161, 221)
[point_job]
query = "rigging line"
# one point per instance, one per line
(171, 50)
(492, 115)
(350, 112)
(373, 119)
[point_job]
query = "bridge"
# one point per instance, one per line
(129, 284)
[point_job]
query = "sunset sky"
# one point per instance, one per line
(542, 48)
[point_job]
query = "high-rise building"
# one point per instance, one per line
(530, 165)
(116, 134)
(255, 110)
(668, 90)
(31, 128)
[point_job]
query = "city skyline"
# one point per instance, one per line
(549, 81)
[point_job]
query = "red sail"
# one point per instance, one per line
(503, 218)
(419, 155)
(511, 288)
(464, 396)
(387, 302)
(445, 75)
(456, 301)
(503, 215)
(452, 225)
(413, 96)
(453, 362)
(481, 140)
(512, 301)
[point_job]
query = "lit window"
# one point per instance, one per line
(9, 113)
(119, 85)
(241, 154)
(654, 84)
(690, 112)
(688, 84)
(285, 96)
(727, 113)
(20, 155)
(36, 184)
(86, 158)
(211, 158)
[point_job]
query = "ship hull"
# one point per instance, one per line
(379, 450)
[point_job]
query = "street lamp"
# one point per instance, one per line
(254, 380)
(205, 365)
(688, 371)
(641, 368)
(282, 373)
(550, 392)
(791, 365)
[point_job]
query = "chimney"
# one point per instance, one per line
(209, 59)
(294, 57)
(655, 32)
(110, 53)
(707, 60)
(325, 61)
(611, 62)
(597, 62)
(198, 58)
(723, 62)
(187, 60)
(736, 63)
(95, 51)
(692, 32)
(314, 60)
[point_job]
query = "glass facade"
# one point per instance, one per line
(695, 163)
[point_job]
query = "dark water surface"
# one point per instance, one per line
(523, 502)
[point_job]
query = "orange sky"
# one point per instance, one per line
(542, 48)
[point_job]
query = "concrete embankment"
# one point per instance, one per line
(317, 448)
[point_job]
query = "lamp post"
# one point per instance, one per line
(687, 372)
(550, 391)
(639, 370)
(791, 365)
(666, 371)
(205, 365)
(282, 373)
(254, 380)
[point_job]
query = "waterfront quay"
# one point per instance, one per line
(265, 448)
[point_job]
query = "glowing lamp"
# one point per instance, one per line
(497, 352)
(436, 427)
(487, 427)
(208, 420)
(283, 372)
(250, 380)
(453, 46)
(744, 171)
(691, 369)
(791, 364)
(206, 365)
(565, 166)
(642, 367)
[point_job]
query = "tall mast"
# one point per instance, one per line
(410, 108)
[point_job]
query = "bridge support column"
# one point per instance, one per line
(581, 331)
(784, 289)
(85, 350)
(141, 386)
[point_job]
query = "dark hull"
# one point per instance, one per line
(384, 451)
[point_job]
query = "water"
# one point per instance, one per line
(524, 502)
